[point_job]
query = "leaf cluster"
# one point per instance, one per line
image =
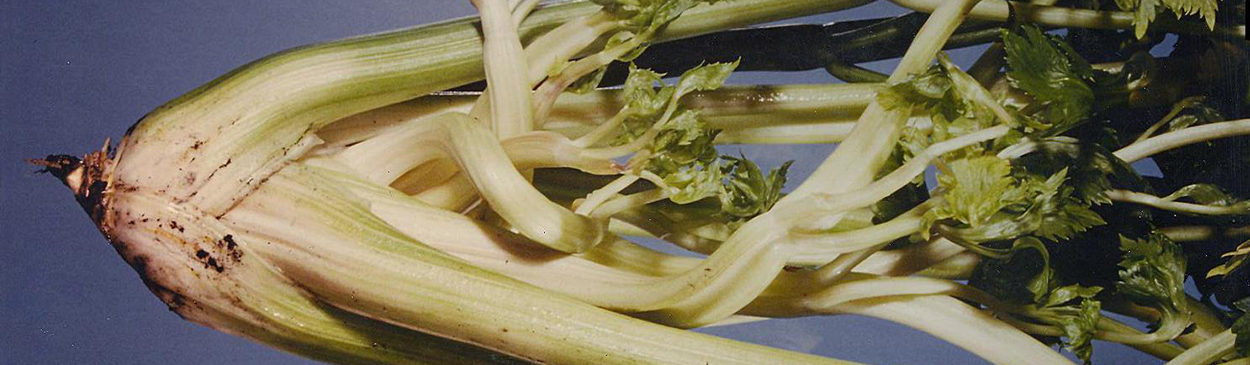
(1049, 70)
(682, 153)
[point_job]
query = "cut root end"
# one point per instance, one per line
(88, 178)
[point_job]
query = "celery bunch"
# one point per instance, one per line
(333, 201)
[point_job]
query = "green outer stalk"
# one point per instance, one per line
(333, 246)
(241, 127)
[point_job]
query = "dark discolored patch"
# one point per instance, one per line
(229, 239)
(212, 263)
(232, 248)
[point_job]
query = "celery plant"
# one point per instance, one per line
(332, 201)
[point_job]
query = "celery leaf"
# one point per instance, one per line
(748, 192)
(1152, 273)
(978, 188)
(1145, 11)
(1075, 311)
(705, 77)
(1050, 71)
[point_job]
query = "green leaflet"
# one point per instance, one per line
(588, 83)
(1152, 273)
(683, 155)
(640, 93)
(693, 183)
(1145, 11)
(976, 99)
(705, 77)
(949, 95)
(647, 15)
(645, 105)
(955, 103)
(1050, 71)
(977, 189)
(621, 38)
(682, 152)
(925, 90)
(642, 19)
(591, 81)
(748, 192)
(988, 205)
(1074, 310)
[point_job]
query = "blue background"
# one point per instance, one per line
(74, 73)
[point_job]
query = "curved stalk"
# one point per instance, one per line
(1175, 206)
(1167, 141)
(484, 161)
